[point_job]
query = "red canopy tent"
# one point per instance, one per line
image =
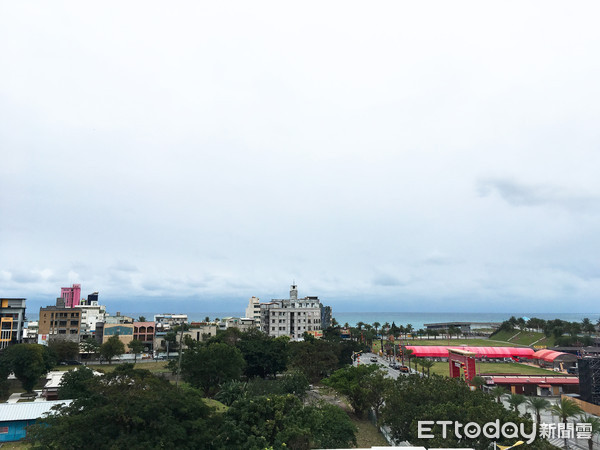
(441, 351)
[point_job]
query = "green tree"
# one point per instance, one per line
(595, 428)
(281, 421)
(427, 364)
(129, 409)
(537, 404)
(498, 392)
(313, 357)
(414, 399)
(28, 362)
(76, 383)
(136, 346)
(64, 349)
(111, 348)
(208, 366)
(477, 381)
(515, 400)
(265, 356)
(231, 391)
(364, 386)
(564, 409)
(90, 346)
(141, 319)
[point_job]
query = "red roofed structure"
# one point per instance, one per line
(534, 384)
(441, 351)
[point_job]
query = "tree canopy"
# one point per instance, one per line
(28, 362)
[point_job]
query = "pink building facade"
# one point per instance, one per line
(72, 295)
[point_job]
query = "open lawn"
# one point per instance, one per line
(154, 367)
(442, 368)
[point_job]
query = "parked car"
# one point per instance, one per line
(394, 365)
(373, 359)
(404, 369)
(70, 362)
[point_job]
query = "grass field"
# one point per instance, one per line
(523, 338)
(154, 367)
(442, 368)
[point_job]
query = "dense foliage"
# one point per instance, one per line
(28, 362)
(412, 399)
(132, 408)
(564, 333)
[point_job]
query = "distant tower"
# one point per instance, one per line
(71, 295)
(293, 292)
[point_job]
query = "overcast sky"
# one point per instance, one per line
(406, 156)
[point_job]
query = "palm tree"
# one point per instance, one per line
(515, 400)
(498, 392)
(595, 423)
(427, 364)
(408, 330)
(376, 325)
(478, 381)
(538, 405)
(564, 409)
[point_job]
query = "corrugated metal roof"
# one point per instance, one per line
(28, 410)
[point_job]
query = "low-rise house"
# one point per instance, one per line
(14, 417)
(243, 323)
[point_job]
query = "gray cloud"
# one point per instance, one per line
(521, 194)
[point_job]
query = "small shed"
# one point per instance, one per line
(14, 417)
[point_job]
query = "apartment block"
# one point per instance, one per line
(71, 295)
(12, 321)
(292, 317)
(57, 322)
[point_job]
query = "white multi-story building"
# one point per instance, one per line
(253, 311)
(164, 322)
(90, 316)
(292, 317)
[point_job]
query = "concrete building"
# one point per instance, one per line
(30, 333)
(118, 319)
(243, 323)
(201, 331)
(71, 295)
(292, 317)
(90, 316)
(12, 321)
(144, 332)
(57, 322)
(253, 310)
(124, 331)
